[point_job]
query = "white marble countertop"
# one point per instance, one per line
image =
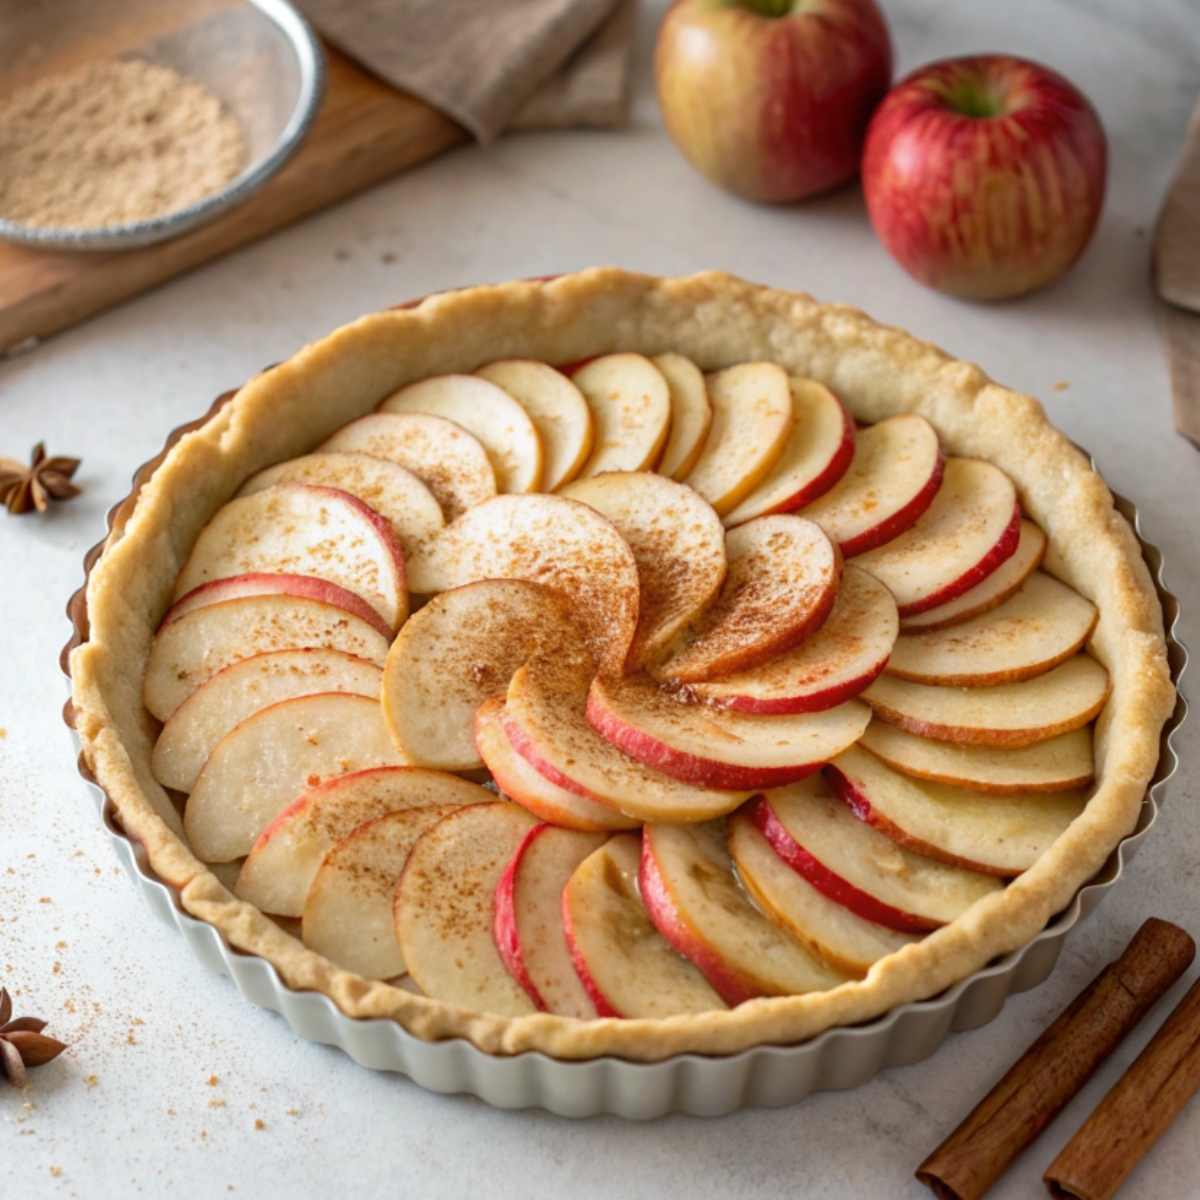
(169, 1071)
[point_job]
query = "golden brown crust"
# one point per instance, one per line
(717, 321)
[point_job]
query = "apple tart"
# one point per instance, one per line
(620, 665)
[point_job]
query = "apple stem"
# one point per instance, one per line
(765, 8)
(975, 98)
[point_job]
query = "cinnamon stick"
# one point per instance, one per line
(1058, 1064)
(1136, 1113)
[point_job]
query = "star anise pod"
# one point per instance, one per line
(22, 1043)
(26, 487)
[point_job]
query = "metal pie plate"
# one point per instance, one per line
(695, 1084)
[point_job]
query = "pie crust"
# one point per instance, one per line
(717, 321)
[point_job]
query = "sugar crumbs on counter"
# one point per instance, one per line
(112, 142)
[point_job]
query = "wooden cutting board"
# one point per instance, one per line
(364, 132)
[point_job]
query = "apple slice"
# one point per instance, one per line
(560, 543)
(1059, 765)
(1042, 625)
(972, 526)
(391, 490)
(445, 909)
(718, 747)
(545, 719)
(1003, 582)
(458, 650)
(287, 854)
(489, 413)
(780, 585)
(261, 583)
(627, 968)
(751, 420)
(855, 865)
(677, 542)
(190, 649)
(998, 835)
(833, 665)
(451, 463)
(1006, 714)
(894, 474)
(631, 408)
(689, 891)
(242, 688)
(521, 782)
(348, 912)
(260, 767)
(558, 411)
(691, 415)
(529, 927)
(816, 455)
(834, 932)
(295, 528)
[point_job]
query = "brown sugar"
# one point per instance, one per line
(112, 142)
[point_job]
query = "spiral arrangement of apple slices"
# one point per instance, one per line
(757, 697)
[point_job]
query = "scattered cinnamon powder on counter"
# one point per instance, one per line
(112, 142)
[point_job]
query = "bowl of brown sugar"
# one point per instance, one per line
(124, 124)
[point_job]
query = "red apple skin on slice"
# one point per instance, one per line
(816, 834)
(445, 909)
(829, 884)
(547, 725)
(1005, 714)
(690, 893)
(528, 924)
(751, 418)
(714, 747)
(287, 854)
(626, 966)
(242, 688)
(348, 912)
(832, 931)
(971, 528)
(387, 488)
(193, 648)
(996, 835)
(1002, 583)
(816, 455)
(457, 651)
(559, 543)
(297, 528)
(522, 783)
(262, 583)
(832, 666)
(264, 763)
(678, 544)
(1040, 626)
(1060, 764)
(781, 583)
(445, 457)
(892, 479)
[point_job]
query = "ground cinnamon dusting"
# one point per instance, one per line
(112, 142)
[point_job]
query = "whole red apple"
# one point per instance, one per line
(771, 98)
(985, 176)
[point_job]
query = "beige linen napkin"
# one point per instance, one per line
(493, 64)
(1177, 277)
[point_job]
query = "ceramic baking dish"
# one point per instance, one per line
(695, 1084)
